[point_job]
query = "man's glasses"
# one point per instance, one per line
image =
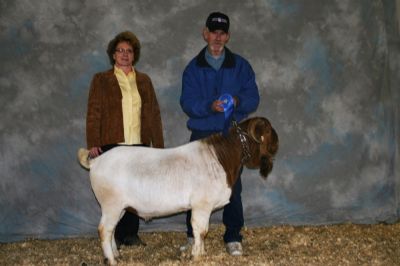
(123, 51)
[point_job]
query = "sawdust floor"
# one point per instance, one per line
(346, 244)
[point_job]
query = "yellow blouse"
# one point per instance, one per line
(131, 105)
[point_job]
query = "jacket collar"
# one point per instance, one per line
(229, 61)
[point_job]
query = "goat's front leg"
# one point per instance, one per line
(200, 220)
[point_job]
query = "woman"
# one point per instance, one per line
(123, 110)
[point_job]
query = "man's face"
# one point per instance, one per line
(123, 54)
(216, 40)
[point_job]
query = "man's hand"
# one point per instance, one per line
(216, 106)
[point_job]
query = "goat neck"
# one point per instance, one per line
(228, 150)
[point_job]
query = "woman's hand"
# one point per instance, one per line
(94, 152)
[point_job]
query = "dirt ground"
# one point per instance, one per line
(346, 244)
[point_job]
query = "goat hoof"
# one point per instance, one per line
(107, 262)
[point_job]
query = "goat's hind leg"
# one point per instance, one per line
(113, 242)
(109, 220)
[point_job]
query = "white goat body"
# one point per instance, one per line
(159, 182)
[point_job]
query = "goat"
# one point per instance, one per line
(159, 182)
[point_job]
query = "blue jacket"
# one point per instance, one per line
(201, 85)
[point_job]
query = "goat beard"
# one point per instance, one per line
(265, 166)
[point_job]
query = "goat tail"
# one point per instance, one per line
(83, 158)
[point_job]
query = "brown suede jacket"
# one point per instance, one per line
(104, 121)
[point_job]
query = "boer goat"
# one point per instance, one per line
(159, 182)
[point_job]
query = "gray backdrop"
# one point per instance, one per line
(328, 75)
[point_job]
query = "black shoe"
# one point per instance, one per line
(130, 241)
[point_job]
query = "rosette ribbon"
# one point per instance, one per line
(228, 105)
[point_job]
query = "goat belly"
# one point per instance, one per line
(160, 205)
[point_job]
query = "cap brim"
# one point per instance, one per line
(213, 28)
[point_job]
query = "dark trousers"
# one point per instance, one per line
(128, 226)
(232, 215)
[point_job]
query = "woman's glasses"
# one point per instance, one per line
(123, 51)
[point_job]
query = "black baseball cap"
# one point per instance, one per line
(217, 21)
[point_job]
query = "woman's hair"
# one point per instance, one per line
(125, 36)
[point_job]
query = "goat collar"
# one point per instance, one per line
(243, 140)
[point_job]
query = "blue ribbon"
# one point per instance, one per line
(228, 105)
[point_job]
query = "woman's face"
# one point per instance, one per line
(123, 55)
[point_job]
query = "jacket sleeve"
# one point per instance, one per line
(192, 101)
(248, 95)
(93, 117)
(157, 138)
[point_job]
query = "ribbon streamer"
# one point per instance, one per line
(228, 105)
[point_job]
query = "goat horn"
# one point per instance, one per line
(252, 128)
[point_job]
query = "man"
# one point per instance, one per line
(214, 72)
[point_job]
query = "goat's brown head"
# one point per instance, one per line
(263, 144)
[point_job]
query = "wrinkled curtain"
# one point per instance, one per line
(328, 75)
